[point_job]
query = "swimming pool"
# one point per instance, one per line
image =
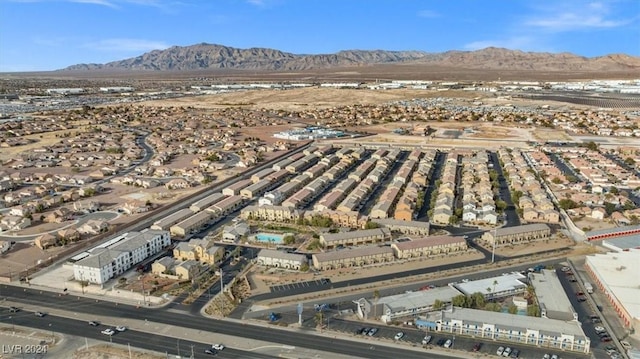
(269, 238)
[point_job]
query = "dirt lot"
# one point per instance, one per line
(305, 98)
(111, 352)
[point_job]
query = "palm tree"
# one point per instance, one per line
(376, 296)
(495, 283)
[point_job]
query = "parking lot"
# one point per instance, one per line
(302, 287)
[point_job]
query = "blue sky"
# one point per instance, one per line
(38, 35)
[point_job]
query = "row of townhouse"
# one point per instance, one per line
(408, 204)
(281, 259)
(366, 253)
(357, 197)
(355, 238)
(516, 235)
(210, 215)
(199, 250)
(535, 203)
(332, 198)
(478, 205)
(442, 212)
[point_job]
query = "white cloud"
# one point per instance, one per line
(562, 18)
(127, 45)
(428, 14)
(96, 2)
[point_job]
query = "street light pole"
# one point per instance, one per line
(53, 337)
(13, 325)
(221, 292)
(493, 252)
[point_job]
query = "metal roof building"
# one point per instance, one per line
(616, 275)
(553, 302)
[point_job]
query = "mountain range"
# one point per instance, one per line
(211, 56)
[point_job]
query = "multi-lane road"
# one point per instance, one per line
(152, 341)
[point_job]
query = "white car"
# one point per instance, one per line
(108, 332)
(506, 352)
(546, 356)
(599, 328)
(121, 328)
(500, 351)
(448, 343)
(399, 336)
(426, 340)
(554, 356)
(217, 346)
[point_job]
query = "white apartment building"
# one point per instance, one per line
(118, 255)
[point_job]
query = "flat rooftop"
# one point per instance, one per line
(551, 295)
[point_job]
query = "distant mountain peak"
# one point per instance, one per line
(205, 56)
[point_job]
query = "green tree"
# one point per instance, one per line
(371, 225)
(478, 300)
(493, 307)
(630, 161)
(567, 203)
(513, 309)
(304, 267)
(609, 207)
(289, 240)
(438, 304)
(459, 301)
(614, 190)
(591, 146)
(556, 180)
(533, 310)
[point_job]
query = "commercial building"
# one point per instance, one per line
(553, 303)
(118, 255)
(505, 285)
(542, 332)
(616, 275)
(403, 305)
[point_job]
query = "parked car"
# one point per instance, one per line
(121, 328)
(448, 343)
(210, 352)
(476, 347)
(365, 331)
(554, 356)
(599, 328)
(605, 339)
(398, 336)
(515, 353)
(500, 351)
(218, 347)
(546, 356)
(108, 332)
(372, 332)
(426, 340)
(14, 309)
(506, 352)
